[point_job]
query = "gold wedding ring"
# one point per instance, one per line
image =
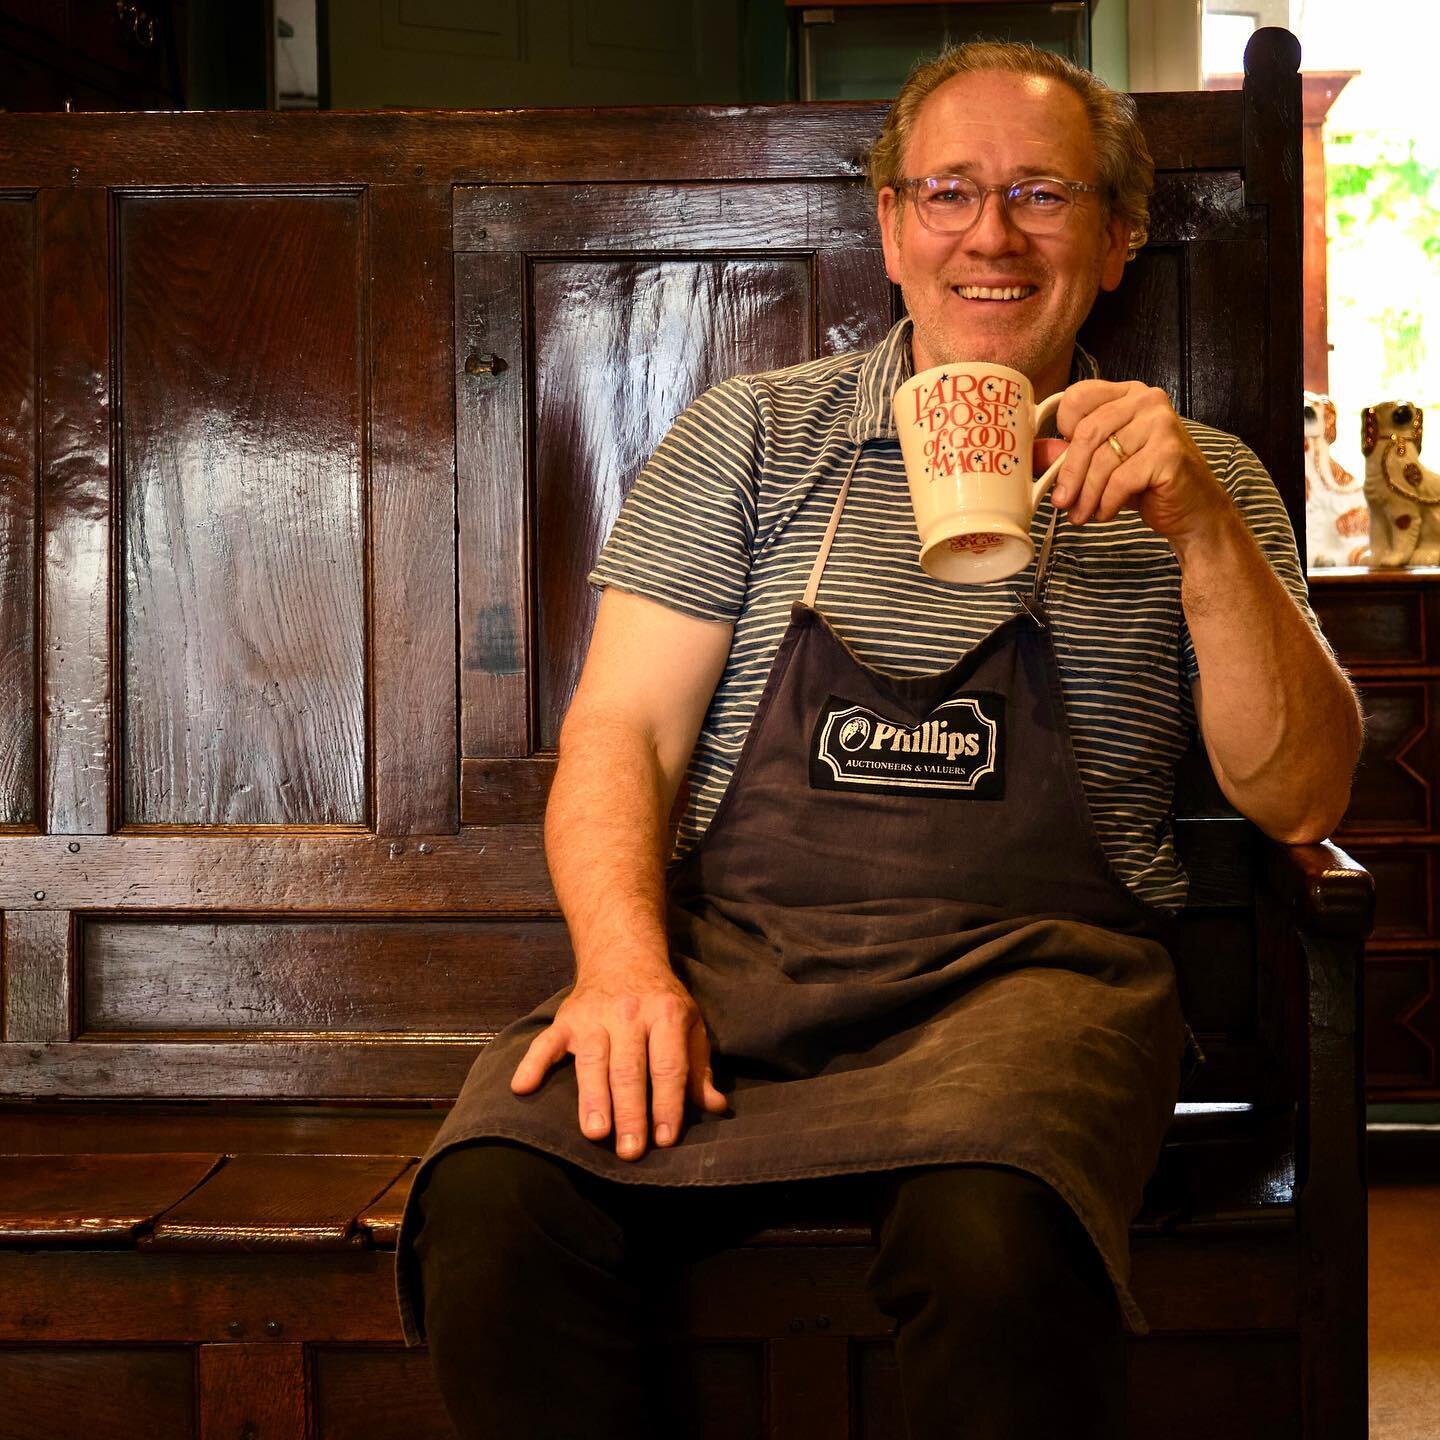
(1113, 441)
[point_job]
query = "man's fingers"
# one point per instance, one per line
(701, 1083)
(668, 1066)
(592, 1081)
(545, 1049)
(628, 1080)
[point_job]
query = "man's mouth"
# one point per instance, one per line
(994, 292)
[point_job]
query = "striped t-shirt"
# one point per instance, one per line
(725, 520)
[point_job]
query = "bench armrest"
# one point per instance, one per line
(1326, 891)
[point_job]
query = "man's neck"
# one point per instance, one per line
(1055, 376)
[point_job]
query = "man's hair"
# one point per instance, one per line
(1127, 173)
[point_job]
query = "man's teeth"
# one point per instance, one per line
(987, 292)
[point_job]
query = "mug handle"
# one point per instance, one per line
(1044, 411)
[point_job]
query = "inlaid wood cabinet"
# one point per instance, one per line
(1385, 627)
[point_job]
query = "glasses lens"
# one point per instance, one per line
(948, 202)
(1039, 206)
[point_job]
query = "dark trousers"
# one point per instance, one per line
(540, 1282)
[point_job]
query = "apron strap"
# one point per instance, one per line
(812, 589)
(1042, 566)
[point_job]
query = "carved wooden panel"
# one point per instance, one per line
(1393, 784)
(1370, 625)
(1404, 888)
(1402, 1022)
(18, 516)
(590, 316)
(468, 978)
(241, 351)
(377, 1394)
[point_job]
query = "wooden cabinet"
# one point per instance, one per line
(1385, 627)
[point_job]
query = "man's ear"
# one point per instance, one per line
(1117, 246)
(887, 217)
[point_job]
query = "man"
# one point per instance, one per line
(956, 994)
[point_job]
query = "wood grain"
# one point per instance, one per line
(254, 1391)
(278, 1202)
(91, 1199)
(75, 462)
(377, 1394)
(412, 510)
(373, 977)
(18, 500)
(78, 1394)
(243, 604)
(36, 988)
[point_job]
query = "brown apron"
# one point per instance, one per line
(908, 946)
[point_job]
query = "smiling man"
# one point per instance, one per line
(952, 990)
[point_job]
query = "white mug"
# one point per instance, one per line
(967, 432)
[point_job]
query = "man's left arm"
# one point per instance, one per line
(1278, 717)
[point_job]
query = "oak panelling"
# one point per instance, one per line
(155, 1127)
(92, 1199)
(1404, 888)
(879, 1406)
(1402, 1018)
(18, 497)
(1195, 1389)
(58, 1394)
(1392, 788)
(75, 460)
(35, 981)
(459, 978)
(505, 792)
(364, 1069)
(695, 143)
(241, 347)
(620, 348)
(1376, 624)
(278, 1202)
(657, 219)
(252, 1390)
(493, 493)
(150, 1297)
(855, 304)
(475, 872)
(1154, 288)
(376, 1394)
(412, 510)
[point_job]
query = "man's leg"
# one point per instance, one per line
(1009, 1327)
(536, 1315)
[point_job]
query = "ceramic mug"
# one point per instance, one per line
(967, 432)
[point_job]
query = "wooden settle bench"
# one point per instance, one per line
(310, 427)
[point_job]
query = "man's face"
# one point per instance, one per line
(997, 128)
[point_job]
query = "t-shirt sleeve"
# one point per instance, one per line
(1239, 470)
(685, 533)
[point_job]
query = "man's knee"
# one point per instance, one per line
(987, 1240)
(493, 1212)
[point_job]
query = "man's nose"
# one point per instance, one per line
(993, 232)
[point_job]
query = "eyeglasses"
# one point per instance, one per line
(1038, 205)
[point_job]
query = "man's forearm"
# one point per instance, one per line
(606, 842)
(1279, 718)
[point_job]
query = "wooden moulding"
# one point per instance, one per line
(458, 147)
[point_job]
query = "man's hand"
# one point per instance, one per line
(624, 1028)
(1163, 475)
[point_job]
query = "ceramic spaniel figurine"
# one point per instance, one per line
(1337, 523)
(1404, 497)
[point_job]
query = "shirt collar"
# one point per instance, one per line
(888, 366)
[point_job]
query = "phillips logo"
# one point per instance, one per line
(957, 749)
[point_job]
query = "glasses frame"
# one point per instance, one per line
(1076, 187)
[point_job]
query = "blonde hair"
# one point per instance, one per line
(1127, 173)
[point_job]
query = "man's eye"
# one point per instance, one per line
(949, 197)
(1042, 197)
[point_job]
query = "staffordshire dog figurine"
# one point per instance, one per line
(1337, 520)
(1404, 497)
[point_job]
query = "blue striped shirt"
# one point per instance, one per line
(725, 520)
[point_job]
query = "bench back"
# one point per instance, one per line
(310, 429)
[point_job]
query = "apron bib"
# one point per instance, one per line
(908, 946)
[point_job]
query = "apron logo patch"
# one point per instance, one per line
(958, 750)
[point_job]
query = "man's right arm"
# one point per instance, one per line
(647, 682)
